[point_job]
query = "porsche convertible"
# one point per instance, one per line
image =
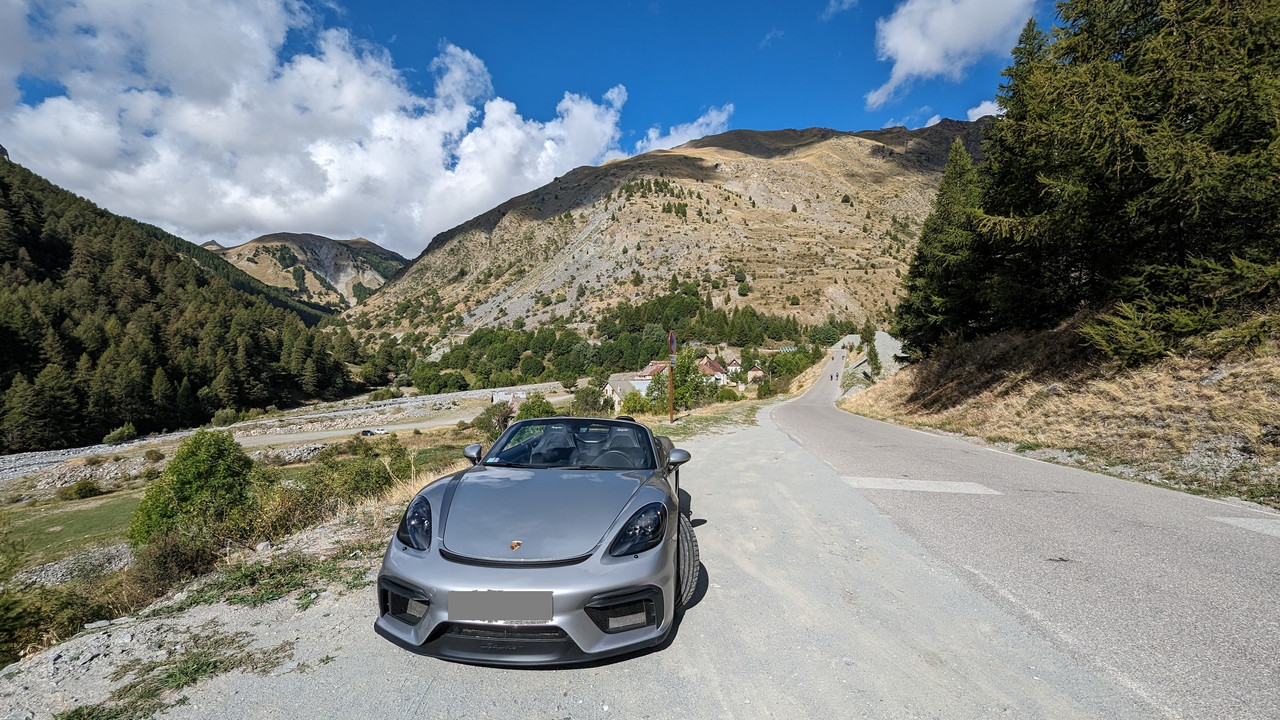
(563, 543)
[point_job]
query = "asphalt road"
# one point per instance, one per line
(1170, 596)
(977, 585)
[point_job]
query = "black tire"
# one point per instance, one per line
(686, 562)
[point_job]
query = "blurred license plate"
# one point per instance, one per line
(531, 606)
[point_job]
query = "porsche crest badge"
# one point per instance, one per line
(515, 545)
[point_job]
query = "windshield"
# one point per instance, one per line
(574, 443)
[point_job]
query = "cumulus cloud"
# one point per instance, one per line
(983, 109)
(713, 121)
(835, 7)
(189, 116)
(942, 38)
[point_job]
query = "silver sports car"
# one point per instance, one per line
(564, 543)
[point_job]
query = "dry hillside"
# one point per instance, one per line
(1202, 425)
(770, 204)
(315, 268)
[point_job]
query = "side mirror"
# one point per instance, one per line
(678, 457)
(472, 453)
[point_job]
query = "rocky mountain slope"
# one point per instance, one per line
(314, 268)
(808, 222)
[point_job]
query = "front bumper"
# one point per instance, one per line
(601, 607)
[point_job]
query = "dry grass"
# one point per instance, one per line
(1207, 427)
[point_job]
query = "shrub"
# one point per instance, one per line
(386, 394)
(124, 433)
(493, 420)
(727, 394)
(537, 405)
(635, 404)
(205, 486)
(81, 489)
(153, 456)
(225, 416)
(353, 479)
(166, 561)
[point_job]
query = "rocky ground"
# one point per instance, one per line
(277, 637)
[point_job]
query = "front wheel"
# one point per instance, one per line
(686, 562)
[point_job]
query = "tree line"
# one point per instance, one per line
(1131, 179)
(107, 324)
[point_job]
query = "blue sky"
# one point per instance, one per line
(395, 120)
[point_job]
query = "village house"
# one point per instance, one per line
(709, 367)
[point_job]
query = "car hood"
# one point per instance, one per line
(553, 514)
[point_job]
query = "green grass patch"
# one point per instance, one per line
(56, 530)
(437, 456)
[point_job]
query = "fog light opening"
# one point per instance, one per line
(624, 616)
(394, 601)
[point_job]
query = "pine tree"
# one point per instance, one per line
(943, 281)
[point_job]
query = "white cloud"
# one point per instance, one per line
(933, 120)
(187, 116)
(985, 108)
(713, 121)
(933, 38)
(835, 7)
(769, 37)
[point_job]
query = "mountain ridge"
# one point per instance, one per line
(313, 268)
(767, 204)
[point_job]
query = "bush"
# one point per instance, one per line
(204, 487)
(224, 417)
(124, 433)
(590, 401)
(727, 394)
(635, 404)
(386, 394)
(153, 455)
(352, 480)
(47, 615)
(83, 488)
(169, 559)
(493, 420)
(537, 405)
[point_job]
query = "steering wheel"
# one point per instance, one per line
(626, 461)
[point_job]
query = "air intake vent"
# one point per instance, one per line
(631, 611)
(402, 603)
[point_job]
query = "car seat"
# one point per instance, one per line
(556, 447)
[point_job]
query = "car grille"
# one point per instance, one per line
(505, 632)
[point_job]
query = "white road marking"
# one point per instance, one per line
(1266, 527)
(942, 486)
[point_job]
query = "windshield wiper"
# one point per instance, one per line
(503, 463)
(593, 467)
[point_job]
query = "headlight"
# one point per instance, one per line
(643, 531)
(415, 526)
